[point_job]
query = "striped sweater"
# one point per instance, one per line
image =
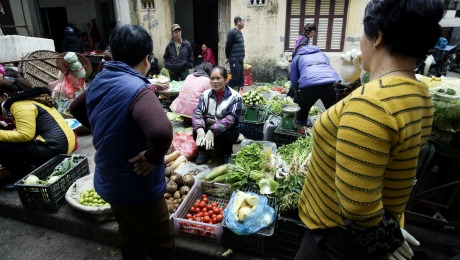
(365, 154)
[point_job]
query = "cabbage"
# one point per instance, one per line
(267, 186)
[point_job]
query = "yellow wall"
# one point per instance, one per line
(158, 23)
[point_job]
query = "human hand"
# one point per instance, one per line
(226, 60)
(200, 137)
(404, 251)
(209, 140)
(140, 165)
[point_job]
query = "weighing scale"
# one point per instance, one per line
(287, 120)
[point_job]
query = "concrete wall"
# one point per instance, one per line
(14, 47)
(158, 24)
(263, 35)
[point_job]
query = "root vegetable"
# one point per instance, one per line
(184, 190)
(176, 195)
(178, 167)
(178, 161)
(168, 171)
(177, 179)
(167, 196)
(183, 196)
(178, 201)
(171, 187)
(172, 156)
(188, 180)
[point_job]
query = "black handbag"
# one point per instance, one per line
(380, 240)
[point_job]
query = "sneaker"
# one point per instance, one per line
(227, 158)
(202, 158)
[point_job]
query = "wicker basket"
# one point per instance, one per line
(40, 72)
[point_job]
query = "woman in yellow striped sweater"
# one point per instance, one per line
(366, 147)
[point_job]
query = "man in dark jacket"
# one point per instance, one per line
(71, 42)
(178, 55)
(234, 51)
(131, 135)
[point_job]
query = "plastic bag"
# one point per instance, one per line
(261, 216)
(67, 85)
(185, 144)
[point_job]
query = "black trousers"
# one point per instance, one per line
(224, 142)
(19, 157)
(306, 98)
(145, 231)
(179, 75)
(237, 69)
(332, 244)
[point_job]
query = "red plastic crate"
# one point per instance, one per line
(248, 80)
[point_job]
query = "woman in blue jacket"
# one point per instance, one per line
(312, 78)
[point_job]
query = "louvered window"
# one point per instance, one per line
(329, 16)
(148, 4)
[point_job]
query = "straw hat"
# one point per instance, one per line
(64, 66)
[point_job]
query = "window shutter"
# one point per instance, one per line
(329, 15)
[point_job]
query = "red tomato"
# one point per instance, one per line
(197, 201)
(213, 216)
(193, 218)
(214, 220)
(211, 212)
(204, 196)
(206, 219)
(205, 199)
(219, 217)
(214, 204)
(188, 215)
(192, 209)
(205, 214)
(208, 207)
(204, 210)
(202, 204)
(215, 209)
(196, 204)
(197, 210)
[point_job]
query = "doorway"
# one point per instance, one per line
(205, 14)
(55, 21)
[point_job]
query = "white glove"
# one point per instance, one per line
(209, 140)
(200, 137)
(404, 251)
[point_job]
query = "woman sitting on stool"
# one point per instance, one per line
(216, 118)
(41, 132)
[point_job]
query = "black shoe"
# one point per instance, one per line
(202, 158)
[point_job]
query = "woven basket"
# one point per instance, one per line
(40, 72)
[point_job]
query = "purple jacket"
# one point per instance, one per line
(311, 68)
(217, 116)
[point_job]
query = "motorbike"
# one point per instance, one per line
(438, 62)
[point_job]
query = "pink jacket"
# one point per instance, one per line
(208, 56)
(188, 97)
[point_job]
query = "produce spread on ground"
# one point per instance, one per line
(254, 197)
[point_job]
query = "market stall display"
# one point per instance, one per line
(40, 191)
(82, 196)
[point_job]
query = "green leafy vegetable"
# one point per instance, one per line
(267, 186)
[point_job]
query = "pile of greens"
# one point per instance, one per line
(288, 192)
(275, 104)
(250, 163)
(446, 101)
